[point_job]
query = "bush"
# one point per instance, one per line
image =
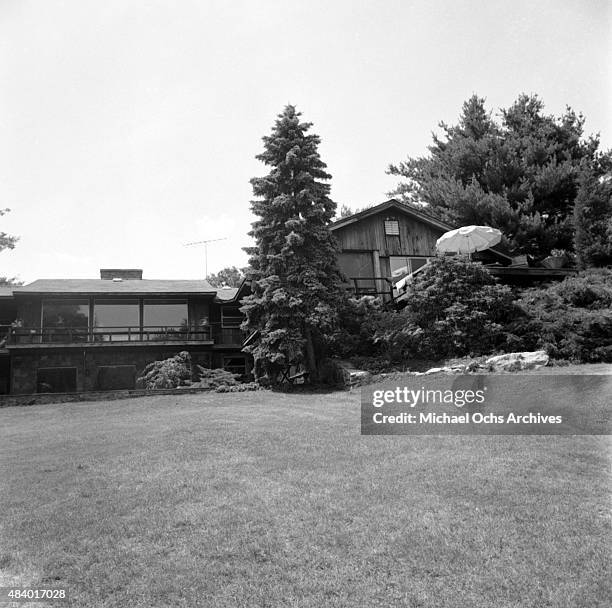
(359, 319)
(455, 307)
(374, 365)
(216, 378)
(168, 373)
(570, 320)
(331, 373)
(238, 388)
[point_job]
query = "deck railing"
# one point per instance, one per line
(120, 334)
(233, 336)
(373, 286)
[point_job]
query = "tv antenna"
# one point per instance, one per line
(205, 243)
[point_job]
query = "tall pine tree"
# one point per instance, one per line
(519, 174)
(593, 219)
(296, 284)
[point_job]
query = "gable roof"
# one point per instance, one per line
(417, 214)
(392, 204)
(109, 287)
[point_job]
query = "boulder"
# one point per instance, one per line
(357, 377)
(435, 370)
(514, 362)
(352, 376)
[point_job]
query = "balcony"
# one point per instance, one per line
(97, 336)
(106, 335)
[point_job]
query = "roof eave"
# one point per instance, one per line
(116, 293)
(420, 215)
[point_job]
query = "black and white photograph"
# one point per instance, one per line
(306, 304)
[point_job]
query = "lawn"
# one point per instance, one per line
(268, 499)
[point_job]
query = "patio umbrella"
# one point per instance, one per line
(468, 239)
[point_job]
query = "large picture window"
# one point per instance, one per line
(115, 319)
(166, 313)
(65, 320)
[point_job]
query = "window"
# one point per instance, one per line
(166, 313)
(116, 377)
(401, 266)
(231, 317)
(56, 380)
(391, 227)
(358, 264)
(118, 318)
(65, 320)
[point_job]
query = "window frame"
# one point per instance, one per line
(161, 302)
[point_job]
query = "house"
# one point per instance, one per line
(98, 334)
(382, 244)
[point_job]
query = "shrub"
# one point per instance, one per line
(359, 319)
(330, 372)
(571, 320)
(215, 378)
(374, 365)
(168, 373)
(454, 307)
(238, 388)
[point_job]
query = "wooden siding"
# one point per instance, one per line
(415, 239)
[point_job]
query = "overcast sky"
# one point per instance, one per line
(130, 128)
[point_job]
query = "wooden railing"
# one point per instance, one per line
(232, 336)
(76, 335)
(373, 286)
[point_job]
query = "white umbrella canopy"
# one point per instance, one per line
(468, 239)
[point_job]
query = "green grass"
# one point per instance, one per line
(264, 499)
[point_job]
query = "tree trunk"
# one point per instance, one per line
(311, 362)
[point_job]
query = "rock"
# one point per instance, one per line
(358, 377)
(352, 376)
(514, 362)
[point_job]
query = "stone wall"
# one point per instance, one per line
(88, 360)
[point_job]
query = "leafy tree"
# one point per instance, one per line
(7, 242)
(593, 219)
(296, 281)
(519, 174)
(230, 276)
(10, 282)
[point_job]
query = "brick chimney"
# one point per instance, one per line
(120, 273)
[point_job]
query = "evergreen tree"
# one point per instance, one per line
(296, 284)
(593, 219)
(519, 175)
